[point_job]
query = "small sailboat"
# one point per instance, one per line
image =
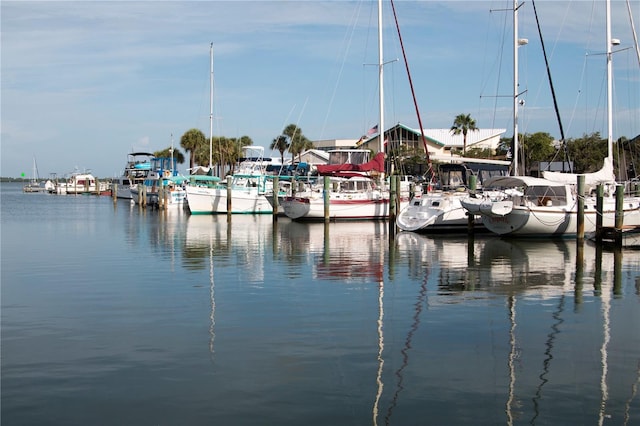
(34, 184)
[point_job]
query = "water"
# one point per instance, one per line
(112, 315)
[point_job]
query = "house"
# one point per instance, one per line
(439, 142)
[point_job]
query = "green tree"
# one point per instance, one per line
(298, 142)
(166, 153)
(190, 141)
(537, 147)
(281, 143)
(463, 123)
(588, 152)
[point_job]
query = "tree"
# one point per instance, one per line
(190, 141)
(588, 153)
(281, 143)
(166, 153)
(297, 141)
(463, 123)
(537, 147)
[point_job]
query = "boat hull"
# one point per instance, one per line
(311, 209)
(202, 200)
(435, 212)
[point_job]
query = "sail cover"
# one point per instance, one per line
(376, 164)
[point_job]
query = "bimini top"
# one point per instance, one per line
(518, 181)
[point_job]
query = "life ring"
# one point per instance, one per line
(167, 173)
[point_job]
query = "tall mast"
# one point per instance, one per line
(380, 80)
(609, 86)
(211, 109)
(516, 163)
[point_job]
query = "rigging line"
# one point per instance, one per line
(633, 32)
(348, 36)
(422, 296)
(413, 94)
(547, 361)
(546, 62)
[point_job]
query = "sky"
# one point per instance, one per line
(84, 83)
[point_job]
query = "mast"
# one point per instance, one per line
(211, 109)
(516, 165)
(380, 81)
(609, 86)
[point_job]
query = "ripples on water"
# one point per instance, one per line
(112, 315)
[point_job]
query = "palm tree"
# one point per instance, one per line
(297, 141)
(190, 141)
(281, 143)
(166, 153)
(462, 124)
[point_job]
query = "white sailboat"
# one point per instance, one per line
(549, 206)
(34, 184)
(249, 187)
(355, 192)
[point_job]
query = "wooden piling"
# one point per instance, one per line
(276, 185)
(229, 202)
(325, 196)
(599, 211)
(580, 218)
(392, 203)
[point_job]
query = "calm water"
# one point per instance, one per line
(116, 316)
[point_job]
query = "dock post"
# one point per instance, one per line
(471, 218)
(393, 195)
(619, 218)
(276, 185)
(599, 210)
(114, 192)
(580, 218)
(325, 196)
(229, 201)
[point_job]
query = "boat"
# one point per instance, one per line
(162, 187)
(548, 206)
(136, 170)
(249, 187)
(441, 210)
(354, 191)
(358, 188)
(34, 185)
(82, 183)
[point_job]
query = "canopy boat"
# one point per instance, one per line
(539, 207)
(162, 185)
(442, 210)
(82, 183)
(548, 206)
(136, 170)
(249, 188)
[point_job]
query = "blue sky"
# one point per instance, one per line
(83, 83)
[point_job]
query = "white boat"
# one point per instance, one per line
(82, 183)
(163, 186)
(34, 184)
(354, 192)
(250, 185)
(441, 210)
(549, 206)
(358, 188)
(540, 207)
(136, 170)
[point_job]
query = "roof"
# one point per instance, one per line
(445, 137)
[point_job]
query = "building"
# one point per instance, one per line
(440, 142)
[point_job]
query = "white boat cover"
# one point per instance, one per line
(604, 175)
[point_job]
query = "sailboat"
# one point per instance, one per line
(34, 184)
(249, 187)
(548, 206)
(357, 189)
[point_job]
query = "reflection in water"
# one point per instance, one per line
(604, 355)
(513, 355)
(555, 330)
(408, 342)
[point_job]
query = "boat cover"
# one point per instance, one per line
(376, 164)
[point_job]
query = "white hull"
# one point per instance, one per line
(432, 212)
(203, 200)
(312, 208)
